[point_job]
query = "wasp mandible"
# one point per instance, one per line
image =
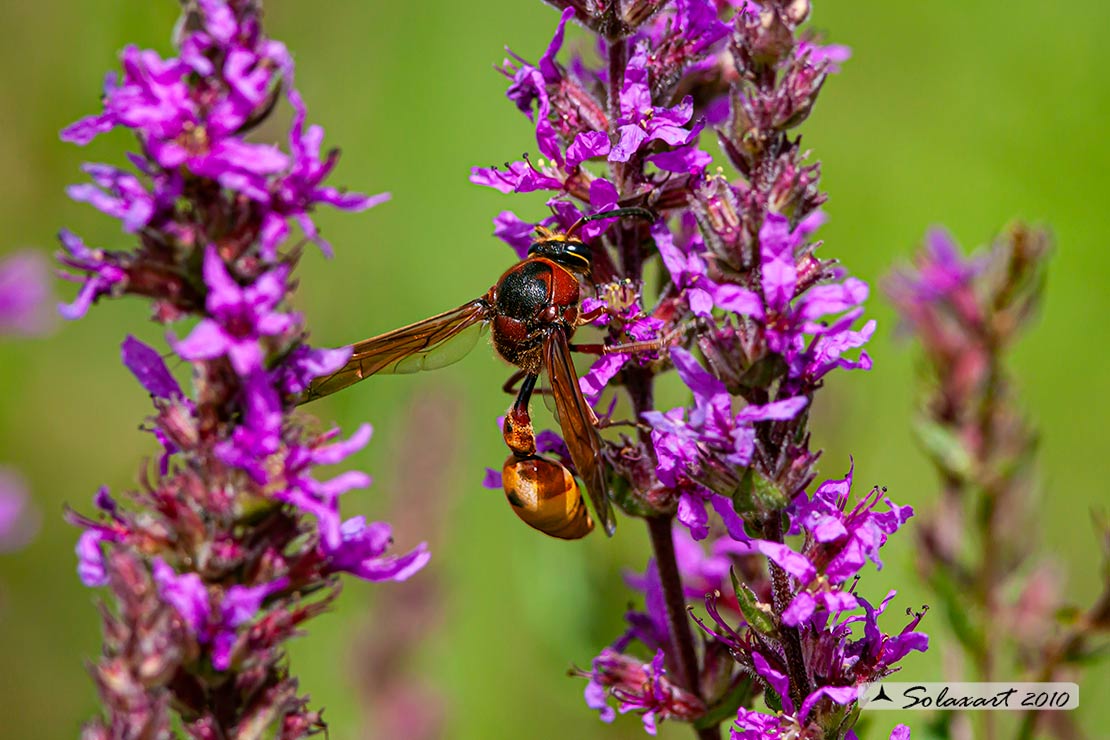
(533, 311)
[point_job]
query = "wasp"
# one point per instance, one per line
(532, 312)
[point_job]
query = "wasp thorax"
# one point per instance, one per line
(545, 496)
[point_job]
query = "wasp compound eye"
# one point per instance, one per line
(545, 496)
(578, 251)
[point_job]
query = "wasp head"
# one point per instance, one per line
(570, 252)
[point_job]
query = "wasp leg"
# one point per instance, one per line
(653, 345)
(589, 316)
(517, 430)
(510, 384)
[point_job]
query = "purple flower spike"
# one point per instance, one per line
(750, 318)
(234, 539)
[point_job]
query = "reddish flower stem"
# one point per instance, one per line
(782, 594)
(662, 546)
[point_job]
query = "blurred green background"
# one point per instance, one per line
(967, 114)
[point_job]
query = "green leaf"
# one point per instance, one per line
(757, 494)
(764, 372)
(944, 447)
(957, 607)
(757, 615)
(620, 491)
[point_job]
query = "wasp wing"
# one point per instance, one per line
(577, 422)
(425, 345)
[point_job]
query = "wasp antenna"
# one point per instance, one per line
(642, 213)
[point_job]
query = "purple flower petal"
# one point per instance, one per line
(516, 233)
(738, 300)
(547, 62)
(90, 558)
(691, 512)
(777, 680)
(205, 341)
(779, 274)
(587, 145)
(800, 609)
(687, 160)
(241, 603)
(337, 452)
(783, 410)
(593, 381)
(148, 368)
(597, 698)
(186, 593)
(361, 552)
(734, 525)
(492, 480)
(304, 364)
(839, 694)
(792, 562)
(696, 378)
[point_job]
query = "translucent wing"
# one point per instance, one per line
(577, 422)
(426, 345)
